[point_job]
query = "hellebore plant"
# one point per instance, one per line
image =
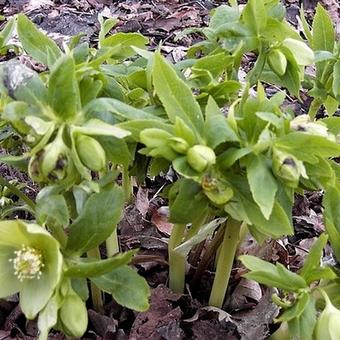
(240, 156)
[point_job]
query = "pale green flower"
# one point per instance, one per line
(30, 263)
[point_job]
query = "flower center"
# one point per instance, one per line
(27, 263)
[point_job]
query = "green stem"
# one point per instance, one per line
(17, 192)
(127, 185)
(96, 293)
(225, 263)
(176, 261)
(112, 244)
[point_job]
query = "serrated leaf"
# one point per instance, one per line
(275, 276)
(217, 128)
(176, 96)
(92, 268)
(255, 15)
(127, 287)
(97, 221)
(36, 43)
(63, 89)
(262, 183)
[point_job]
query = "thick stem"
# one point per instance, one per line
(96, 293)
(112, 244)
(176, 261)
(17, 192)
(225, 263)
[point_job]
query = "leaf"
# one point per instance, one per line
(331, 202)
(124, 41)
(223, 14)
(92, 268)
(262, 183)
(323, 30)
(274, 276)
(176, 96)
(118, 108)
(206, 230)
(52, 209)
(302, 327)
(217, 129)
(97, 221)
(127, 287)
(186, 193)
(313, 259)
(6, 32)
(306, 146)
(336, 79)
(296, 310)
(63, 89)
(36, 43)
(255, 15)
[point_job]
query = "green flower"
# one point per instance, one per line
(30, 263)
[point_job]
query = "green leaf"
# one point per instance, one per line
(323, 30)
(52, 209)
(36, 43)
(262, 183)
(186, 193)
(296, 310)
(92, 268)
(97, 221)
(217, 129)
(223, 14)
(176, 96)
(126, 286)
(275, 276)
(313, 259)
(124, 41)
(255, 15)
(331, 202)
(305, 146)
(118, 108)
(302, 327)
(202, 234)
(6, 32)
(336, 79)
(63, 89)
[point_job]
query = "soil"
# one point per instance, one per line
(248, 312)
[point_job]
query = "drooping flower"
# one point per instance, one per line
(30, 263)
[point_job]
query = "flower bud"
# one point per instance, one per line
(303, 123)
(73, 315)
(328, 326)
(90, 152)
(288, 168)
(56, 162)
(178, 144)
(302, 53)
(277, 61)
(216, 191)
(201, 157)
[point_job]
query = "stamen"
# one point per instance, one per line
(27, 263)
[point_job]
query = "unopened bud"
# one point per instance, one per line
(179, 145)
(277, 61)
(73, 315)
(201, 157)
(328, 326)
(302, 53)
(303, 123)
(288, 168)
(90, 153)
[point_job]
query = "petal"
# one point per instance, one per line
(34, 296)
(12, 233)
(9, 282)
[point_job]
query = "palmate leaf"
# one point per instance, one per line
(176, 96)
